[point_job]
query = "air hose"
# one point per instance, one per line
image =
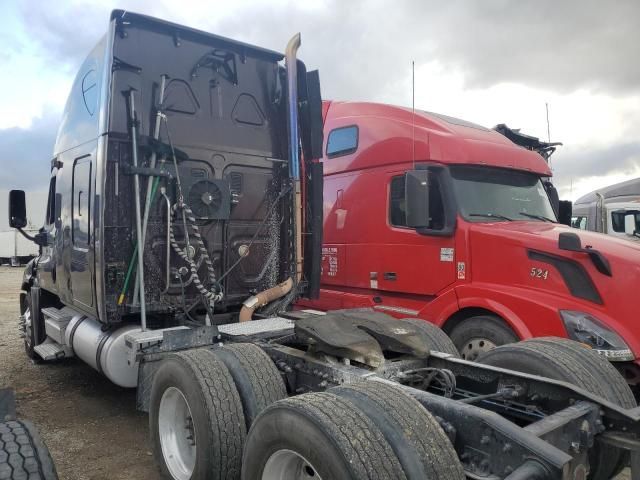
(185, 255)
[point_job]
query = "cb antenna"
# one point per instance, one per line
(546, 105)
(548, 129)
(413, 113)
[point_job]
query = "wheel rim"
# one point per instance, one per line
(26, 319)
(289, 465)
(474, 347)
(177, 434)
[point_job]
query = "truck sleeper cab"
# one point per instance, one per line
(485, 261)
(614, 210)
(182, 166)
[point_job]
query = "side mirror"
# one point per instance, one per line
(569, 241)
(17, 209)
(565, 212)
(416, 197)
(630, 224)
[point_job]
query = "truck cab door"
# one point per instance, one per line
(81, 255)
(419, 261)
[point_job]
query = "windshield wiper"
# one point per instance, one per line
(491, 215)
(539, 217)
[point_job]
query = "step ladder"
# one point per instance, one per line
(55, 325)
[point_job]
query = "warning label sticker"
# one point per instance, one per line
(330, 261)
(462, 274)
(446, 254)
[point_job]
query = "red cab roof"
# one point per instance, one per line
(386, 134)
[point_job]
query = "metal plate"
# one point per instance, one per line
(255, 327)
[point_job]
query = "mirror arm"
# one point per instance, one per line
(39, 239)
(26, 235)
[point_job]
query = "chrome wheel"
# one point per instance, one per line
(177, 434)
(475, 347)
(26, 325)
(289, 465)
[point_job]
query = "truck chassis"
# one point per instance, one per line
(501, 423)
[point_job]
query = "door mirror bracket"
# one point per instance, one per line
(416, 197)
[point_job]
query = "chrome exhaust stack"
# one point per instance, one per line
(267, 296)
(294, 144)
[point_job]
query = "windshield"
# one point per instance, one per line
(486, 194)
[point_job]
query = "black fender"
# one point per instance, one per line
(30, 274)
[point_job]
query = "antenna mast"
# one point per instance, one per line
(548, 129)
(413, 113)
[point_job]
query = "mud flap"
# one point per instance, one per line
(7, 404)
(635, 465)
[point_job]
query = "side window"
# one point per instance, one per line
(579, 222)
(81, 201)
(342, 141)
(51, 202)
(617, 221)
(397, 212)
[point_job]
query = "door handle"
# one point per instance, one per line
(391, 276)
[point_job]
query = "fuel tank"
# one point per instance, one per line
(103, 350)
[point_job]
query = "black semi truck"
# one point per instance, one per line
(184, 219)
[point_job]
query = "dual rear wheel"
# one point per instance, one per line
(222, 413)
(204, 401)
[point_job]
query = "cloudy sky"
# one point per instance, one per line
(491, 61)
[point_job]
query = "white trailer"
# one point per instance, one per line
(15, 249)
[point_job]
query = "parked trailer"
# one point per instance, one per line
(236, 384)
(15, 249)
(491, 264)
(614, 210)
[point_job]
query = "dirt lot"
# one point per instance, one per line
(91, 426)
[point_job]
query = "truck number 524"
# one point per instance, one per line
(539, 273)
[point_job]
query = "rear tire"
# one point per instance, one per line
(569, 361)
(196, 421)
(417, 439)
(434, 336)
(480, 334)
(23, 453)
(320, 435)
(256, 377)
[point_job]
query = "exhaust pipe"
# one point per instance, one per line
(279, 291)
(294, 144)
(263, 298)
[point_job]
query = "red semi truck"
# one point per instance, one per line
(437, 218)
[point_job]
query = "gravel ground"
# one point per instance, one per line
(91, 426)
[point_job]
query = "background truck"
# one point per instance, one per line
(15, 249)
(491, 265)
(186, 164)
(614, 210)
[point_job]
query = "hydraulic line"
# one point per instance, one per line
(152, 164)
(134, 255)
(136, 184)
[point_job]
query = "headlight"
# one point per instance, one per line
(587, 329)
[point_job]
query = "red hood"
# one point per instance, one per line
(502, 249)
